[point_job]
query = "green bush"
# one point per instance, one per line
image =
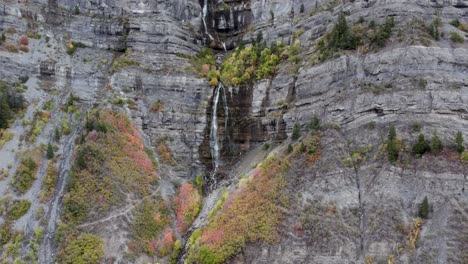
(252, 62)
(455, 37)
(18, 209)
(464, 156)
(424, 208)
(122, 62)
(50, 151)
(455, 23)
(25, 175)
(392, 148)
(5, 233)
(85, 249)
(11, 102)
(421, 146)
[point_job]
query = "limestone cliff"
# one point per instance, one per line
(340, 200)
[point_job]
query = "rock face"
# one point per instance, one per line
(339, 213)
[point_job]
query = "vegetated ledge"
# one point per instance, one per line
(253, 211)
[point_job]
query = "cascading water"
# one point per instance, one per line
(204, 14)
(214, 131)
(226, 108)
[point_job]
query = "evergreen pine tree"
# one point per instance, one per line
(436, 144)
(459, 141)
(342, 37)
(296, 133)
(57, 134)
(421, 146)
(302, 9)
(77, 10)
(392, 149)
(290, 148)
(392, 133)
(315, 124)
(4, 110)
(50, 151)
(424, 208)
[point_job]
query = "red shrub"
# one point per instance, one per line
(210, 237)
(187, 205)
(24, 40)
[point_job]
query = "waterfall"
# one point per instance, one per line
(214, 138)
(214, 131)
(226, 108)
(205, 12)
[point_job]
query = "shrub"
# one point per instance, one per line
(76, 11)
(250, 214)
(392, 149)
(5, 233)
(18, 209)
(152, 217)
(122, 62)
(157, 106)
(25, 175)
(252, 62)
(107, 166)
(455, 23)
(302, 9)
(24, 49)
(34, 35)
(436, 144)
(455, 37)
(24, 40)
(383, 33)
(464, 156)
(50, 151)
(48, 182)
(187, 206)
(176, 252)
(164, 152)
(421, 146)
(11, 48)
(11, 102)
(424, 208)
(296, 132)
(84, 249)
(57, 134)
(342, 37)
(290, 148)
(434, 32)
(459, 142)
(315, 123)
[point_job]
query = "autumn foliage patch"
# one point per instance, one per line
(110, 163)
(250, 214)
(187, 206)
